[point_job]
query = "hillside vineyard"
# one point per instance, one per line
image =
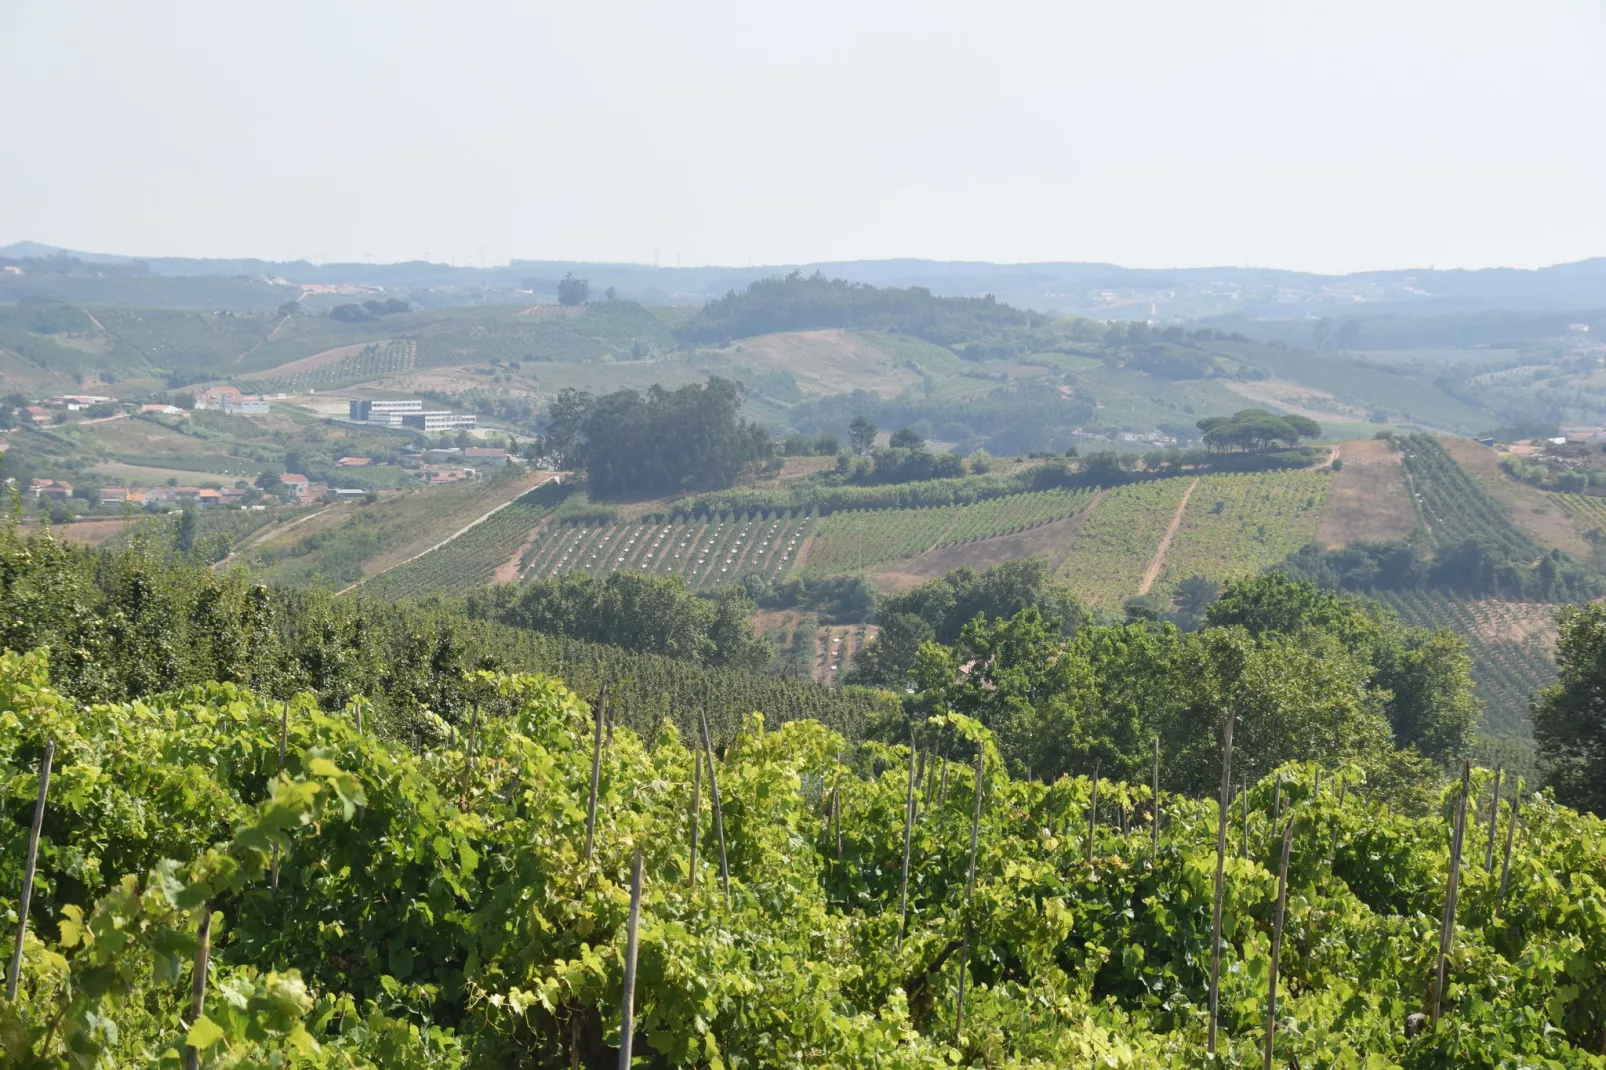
(559, 666)
(467, 903)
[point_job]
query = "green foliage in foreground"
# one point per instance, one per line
(438, 909)
(127, 623)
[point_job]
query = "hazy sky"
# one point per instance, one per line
(1293, 133)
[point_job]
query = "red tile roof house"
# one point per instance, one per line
(354, 462)
(205, 496)
(36, 413)
(294, 479)
(113, 495)
(50, 488)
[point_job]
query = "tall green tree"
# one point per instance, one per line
(861, 434)
(1569, 717)
(661, 442)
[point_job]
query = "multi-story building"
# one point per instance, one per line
(375, 411)
(440, 421)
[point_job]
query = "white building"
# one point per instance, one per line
(245, 405)
(388, 413)
(440, 421)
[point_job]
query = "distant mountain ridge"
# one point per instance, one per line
(1104, 290)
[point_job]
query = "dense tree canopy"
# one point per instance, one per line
(126, 623)
(1476, 565)
(1256, 429)
(940, 609)
(650, 613)
(666, 441)
(1570, 716)
(1311, 675)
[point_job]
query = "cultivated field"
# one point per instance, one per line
(707, 554)
(850, 541)
(1120, 538)
(1238, 525)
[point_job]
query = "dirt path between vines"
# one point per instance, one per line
(508, 571)
(1165, 543)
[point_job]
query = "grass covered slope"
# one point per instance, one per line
(441, 908)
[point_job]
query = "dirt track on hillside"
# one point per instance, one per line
(1165, 541)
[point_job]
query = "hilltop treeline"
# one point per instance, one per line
(124, 624)
(1008, 420)
(798, 302)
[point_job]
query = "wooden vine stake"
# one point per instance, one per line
(1154, 833)
(596, 771)
(1277, 943)
(908, 833)
(1452, 887)
(1511, 834)
(1494, 823)
(1221, 863)
(696, 816)
(719, 816)
(1093, 813)
(284, 735)
(14, 974)
(203, 958)
(970, 888)
(627, 1002)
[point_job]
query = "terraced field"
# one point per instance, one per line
(707, 553)
(1239, 525)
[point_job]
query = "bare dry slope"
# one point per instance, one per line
(1531, 509)
(1368, 499)
(826, 361)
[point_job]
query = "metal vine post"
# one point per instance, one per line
(908, 835)
(1093, 813)
(696, 815)
(1511, 834)
(719, 816)
(1221, 863)
(836, 817)
(1154, 847)
(1494, 822)
(627, 1027)
(970, 888)
(203, 958)
(596, 771)
(1452, 887)
(14, 974)
(284, 734)
(1277, 943)
(1243, 795)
